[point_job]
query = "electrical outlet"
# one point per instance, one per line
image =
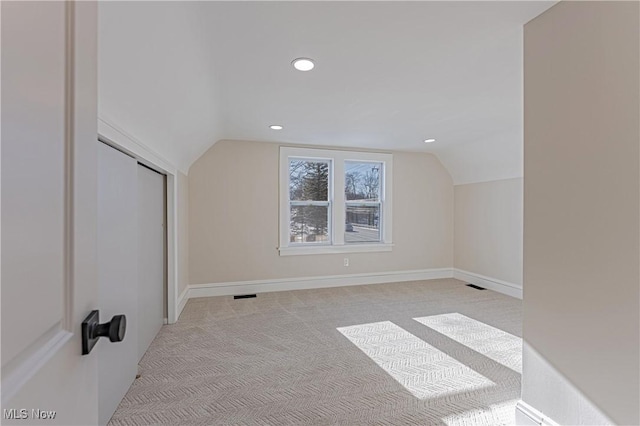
(346, 261)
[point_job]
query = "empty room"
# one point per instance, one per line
(320, 213)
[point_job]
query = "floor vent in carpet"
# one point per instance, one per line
(477, 287)
(244, 296)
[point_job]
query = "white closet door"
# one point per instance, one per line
(151, 270)
(48, 160)
(117, 274)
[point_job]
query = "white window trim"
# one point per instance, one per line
(337, 215)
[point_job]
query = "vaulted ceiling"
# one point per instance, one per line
(179, 76)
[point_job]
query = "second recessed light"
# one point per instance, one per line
(276, 127)
(429, 140)
(303, 64)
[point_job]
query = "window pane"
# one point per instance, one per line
(363, 224)
(362, 181)
(309, 224)
(308, 180)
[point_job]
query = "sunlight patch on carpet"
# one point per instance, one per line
(422, 369)
(498, 345)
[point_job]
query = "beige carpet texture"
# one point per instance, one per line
(413, 353)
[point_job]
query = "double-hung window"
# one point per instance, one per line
(309, 201)
(363, 201)
(334, 201)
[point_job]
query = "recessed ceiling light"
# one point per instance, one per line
(303, 64)
(276, 127)
(429, 140)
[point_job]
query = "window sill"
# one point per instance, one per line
(351, 248)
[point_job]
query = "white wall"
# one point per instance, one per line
(488, 229)
(233, 217)
(581, 213)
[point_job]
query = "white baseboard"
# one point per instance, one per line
(284, 284)
(526, 415)
(494, 284)
(183, 298)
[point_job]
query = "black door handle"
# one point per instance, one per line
(92, 330)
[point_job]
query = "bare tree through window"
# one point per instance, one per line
(309, 200)
(363, 203)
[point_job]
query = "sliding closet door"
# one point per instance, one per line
(151, 264)
(117, 275)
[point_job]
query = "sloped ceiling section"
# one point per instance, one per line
(180, 76)
(155, 78)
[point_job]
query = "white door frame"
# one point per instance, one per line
(120, 139)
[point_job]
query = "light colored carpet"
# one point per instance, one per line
(415, 353)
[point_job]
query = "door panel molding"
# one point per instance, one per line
(16, 374)
(69, 130)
